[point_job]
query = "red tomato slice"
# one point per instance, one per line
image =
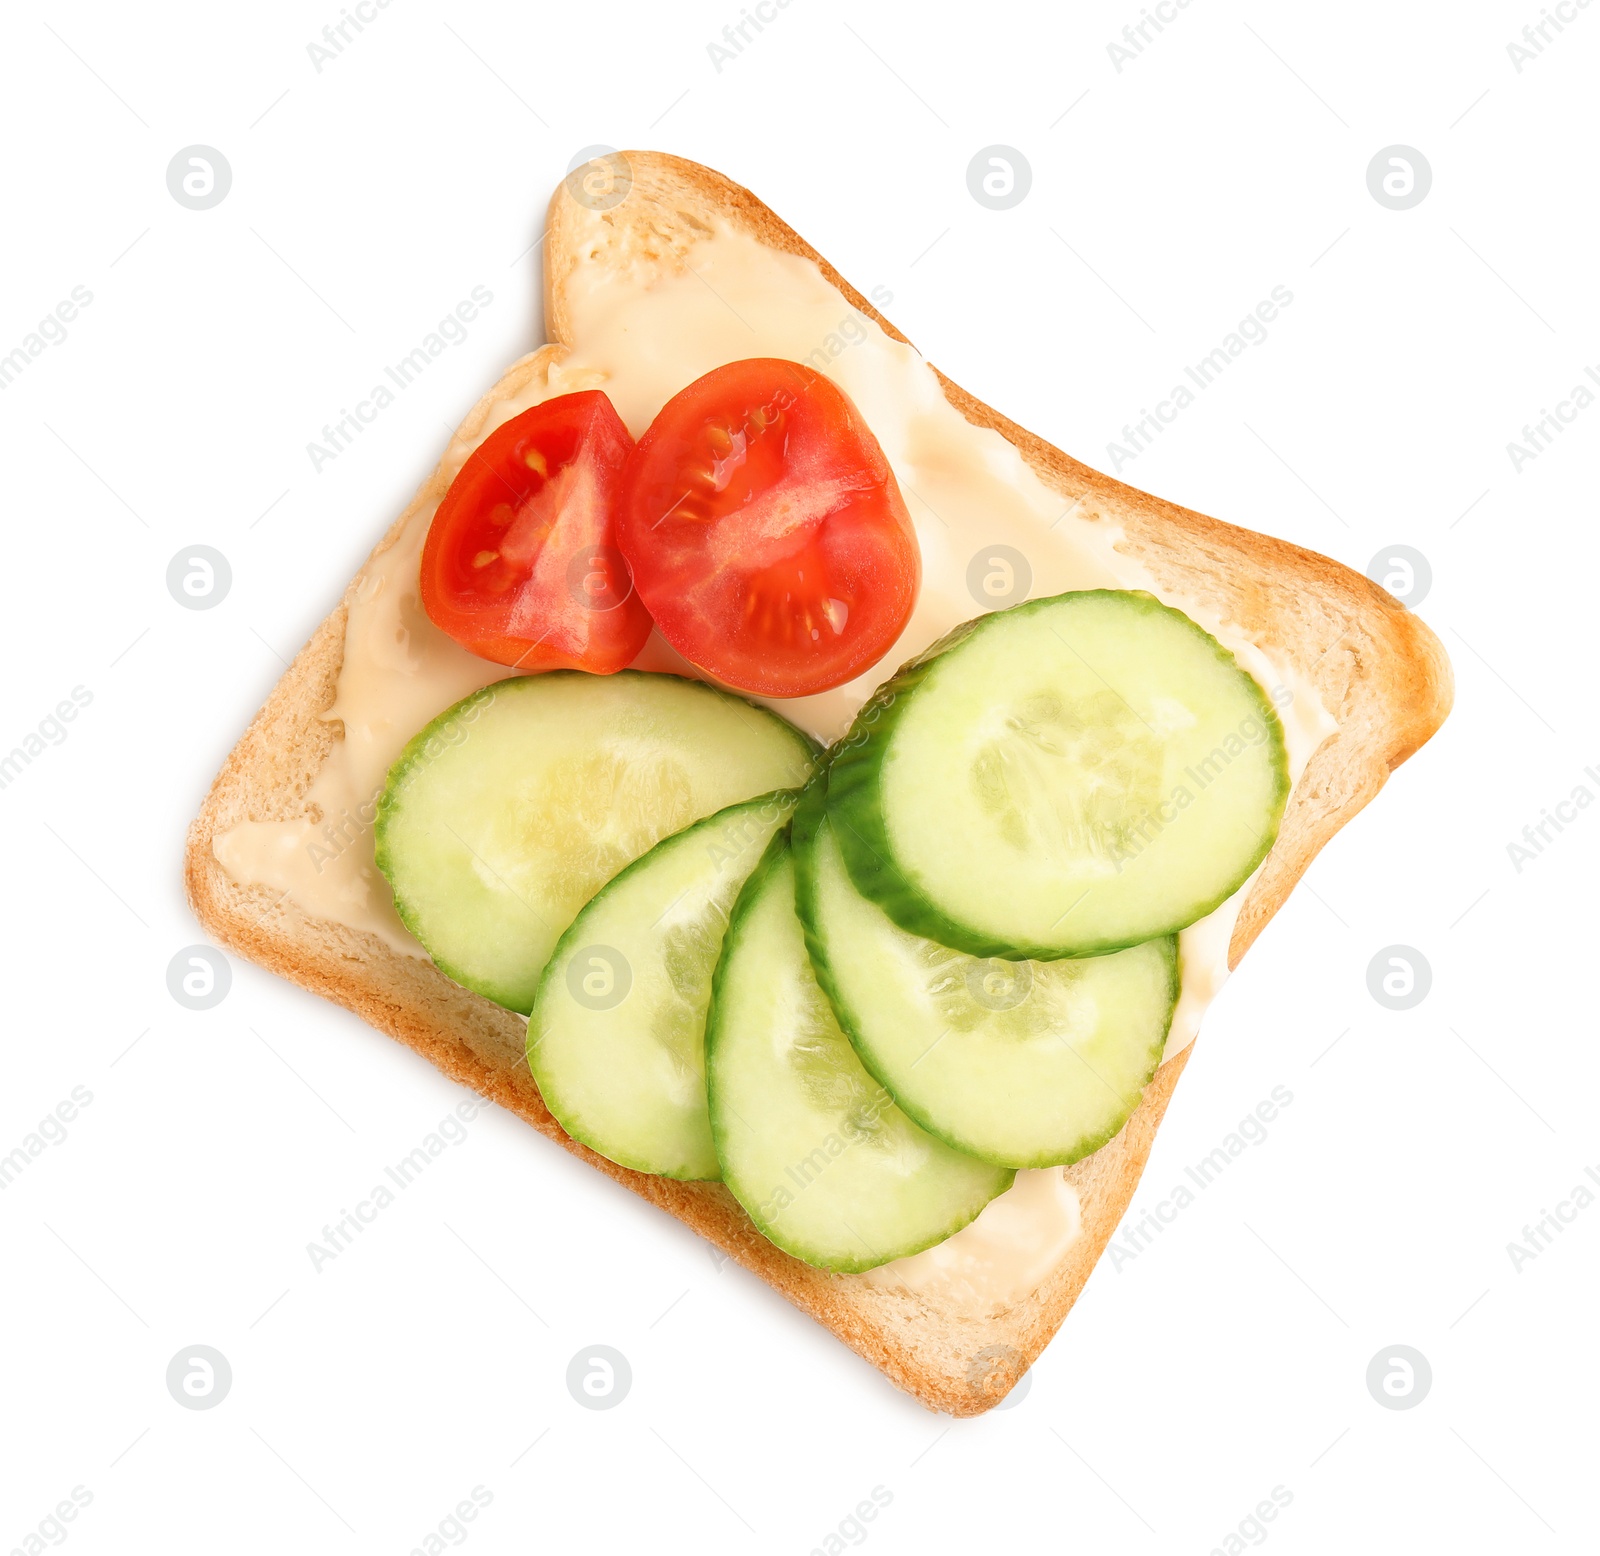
(521, 564)
(766, 533)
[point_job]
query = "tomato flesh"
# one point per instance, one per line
(766, 533)
(521, 563)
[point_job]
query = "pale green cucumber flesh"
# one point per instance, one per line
(814, 1149)
(511, 809)
(616, 1041)
(1064, 778)
(1026, 1064)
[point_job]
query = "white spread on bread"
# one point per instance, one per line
(1001, 1257)
(642, 331)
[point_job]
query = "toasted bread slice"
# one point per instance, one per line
(1380, 673)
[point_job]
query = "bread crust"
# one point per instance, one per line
(1378, 669)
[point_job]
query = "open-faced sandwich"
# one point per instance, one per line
(803, 794)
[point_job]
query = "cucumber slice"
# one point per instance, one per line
(1065, 778)
(812, 1147)
(617, 1037)
(1026, 1064)
(511, 809)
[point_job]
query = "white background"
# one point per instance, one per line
(1167, 200)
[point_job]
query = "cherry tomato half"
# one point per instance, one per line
(521, 565)
(766, 533)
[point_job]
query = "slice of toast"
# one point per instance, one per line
(1380, 673)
